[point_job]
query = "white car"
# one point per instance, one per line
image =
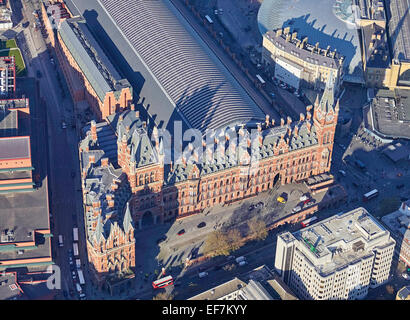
(405, 276)
(296, 209)
(303, 198)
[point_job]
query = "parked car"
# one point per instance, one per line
(405, 276)
(39, 74)
(201, 225)
(303, 198)
(63, 125)
(260, 204)
(296, 209)
(281, 200)
(181, 232)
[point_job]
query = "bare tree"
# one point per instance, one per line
(257, 229)
(163, 296)
(217, 244)
(234, 239)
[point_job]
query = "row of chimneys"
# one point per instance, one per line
(302, 43)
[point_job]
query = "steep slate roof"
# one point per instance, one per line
(95, 65)
(194, 80)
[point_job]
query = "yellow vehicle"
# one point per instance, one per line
(281, 200)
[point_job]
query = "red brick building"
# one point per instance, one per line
(123, 163)
(89, 74)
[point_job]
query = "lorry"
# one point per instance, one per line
(202, 274)
(80, 276)
(75, 248)
(75, 234)
(239, 259)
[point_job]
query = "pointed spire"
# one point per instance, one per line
(99, 229)
(127, 222)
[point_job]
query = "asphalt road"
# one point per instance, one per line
(62, 146)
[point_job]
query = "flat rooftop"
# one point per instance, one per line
(179, 76)
(323, 21)
(340, 239)
(15, 148)
(390, 111)
(22, 213)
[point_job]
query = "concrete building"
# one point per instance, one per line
(15, 149)
(90, 75)
(399, 224)
(300, 64)
(403, 293)
(235, 289)
(9, 287)
(258, 284)
(340, 257)
(7, 76)
(388, 114)
(5, 18)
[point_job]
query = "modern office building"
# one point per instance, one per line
(260, 283)
(300, 64)
(7, 76)
(340, 257)
(388, 114)
(399, 224)
(403, 293)
(15, 149)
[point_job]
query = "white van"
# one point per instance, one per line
(203, 274)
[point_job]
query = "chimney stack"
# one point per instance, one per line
(301, 117)
(104, 162)
(93, 130)
(289, 120)
(267, 120)
(132, 106)
(282, 122)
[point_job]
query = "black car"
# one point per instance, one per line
(251, 207)
(38, 74)
(201, 225)
(181, 232)
(399, 186)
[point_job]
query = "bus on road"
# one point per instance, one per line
(163, 282)
(260, 79)
(75, 234)
(81, 276)
(370, 195)
(75, 248)
(209, 19)
(307, 222)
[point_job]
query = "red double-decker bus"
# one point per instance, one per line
(163, 282)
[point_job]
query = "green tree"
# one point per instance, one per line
(257, 229)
